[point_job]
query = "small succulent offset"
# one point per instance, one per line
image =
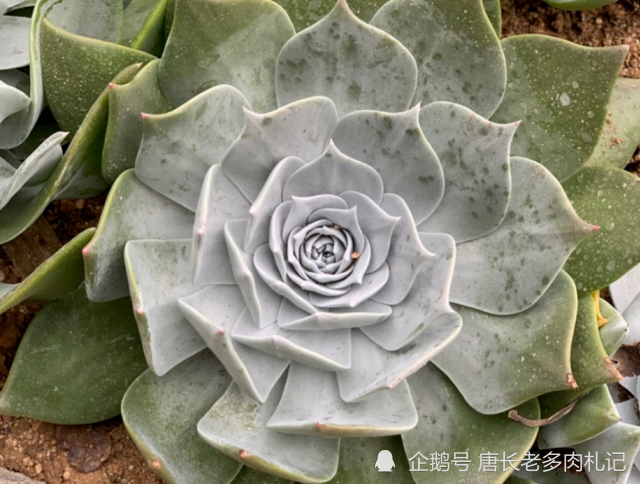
(349, 218)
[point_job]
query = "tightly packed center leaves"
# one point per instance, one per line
(337, 217)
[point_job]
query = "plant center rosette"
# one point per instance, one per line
(314, 237)
(336, 297)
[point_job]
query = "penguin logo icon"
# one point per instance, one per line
(385, 461)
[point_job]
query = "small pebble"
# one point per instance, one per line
(79, 204)
(66, 476)
(38, 468)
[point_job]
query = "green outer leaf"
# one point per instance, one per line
(251, 476)
(621, 132)
(591, 416)
(513, 479)
(560, 91)
(76, 176)
(609, 198)
(81, 176)
(124, 127)
(75, 362)
(448, 424)
(304, 13)
(494, 12)
(232, 42)
(143, 27)
(75, 79)
(358, 456)
(531, 349)
(589, 361)
(60, 274)
(458, 54)
(98, 20)
(579, 4)
(161, 414)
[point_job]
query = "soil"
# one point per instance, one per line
(103, 453)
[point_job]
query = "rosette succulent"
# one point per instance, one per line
(342, 210)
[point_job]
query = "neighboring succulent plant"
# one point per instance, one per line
(312, 207)
(579, 4)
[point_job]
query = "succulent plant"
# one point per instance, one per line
(578, 4)
(350, 220)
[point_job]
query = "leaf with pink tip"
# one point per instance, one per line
(220, 201)
(333, 173)
(300, 129)
(304, 13)
(342, 57)
(474, 154)
(178, 147)
(262, 302)
(591, 416)
(458, 53)
(508, 270)
(177, 401)
(311, 405)
(214, 312)
(560, 91)
(124, 127)
(132, 212)
(590, 363)
(538, 359)
(395, 146)
(441, 408)
(68, 96)
(237, 426)
(158, 272)
(426, 302)
(610, 199)
(77, 175)
(328, 350)
(374, 369)
(208, 46)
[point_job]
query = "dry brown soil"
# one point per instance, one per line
(103, 453)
